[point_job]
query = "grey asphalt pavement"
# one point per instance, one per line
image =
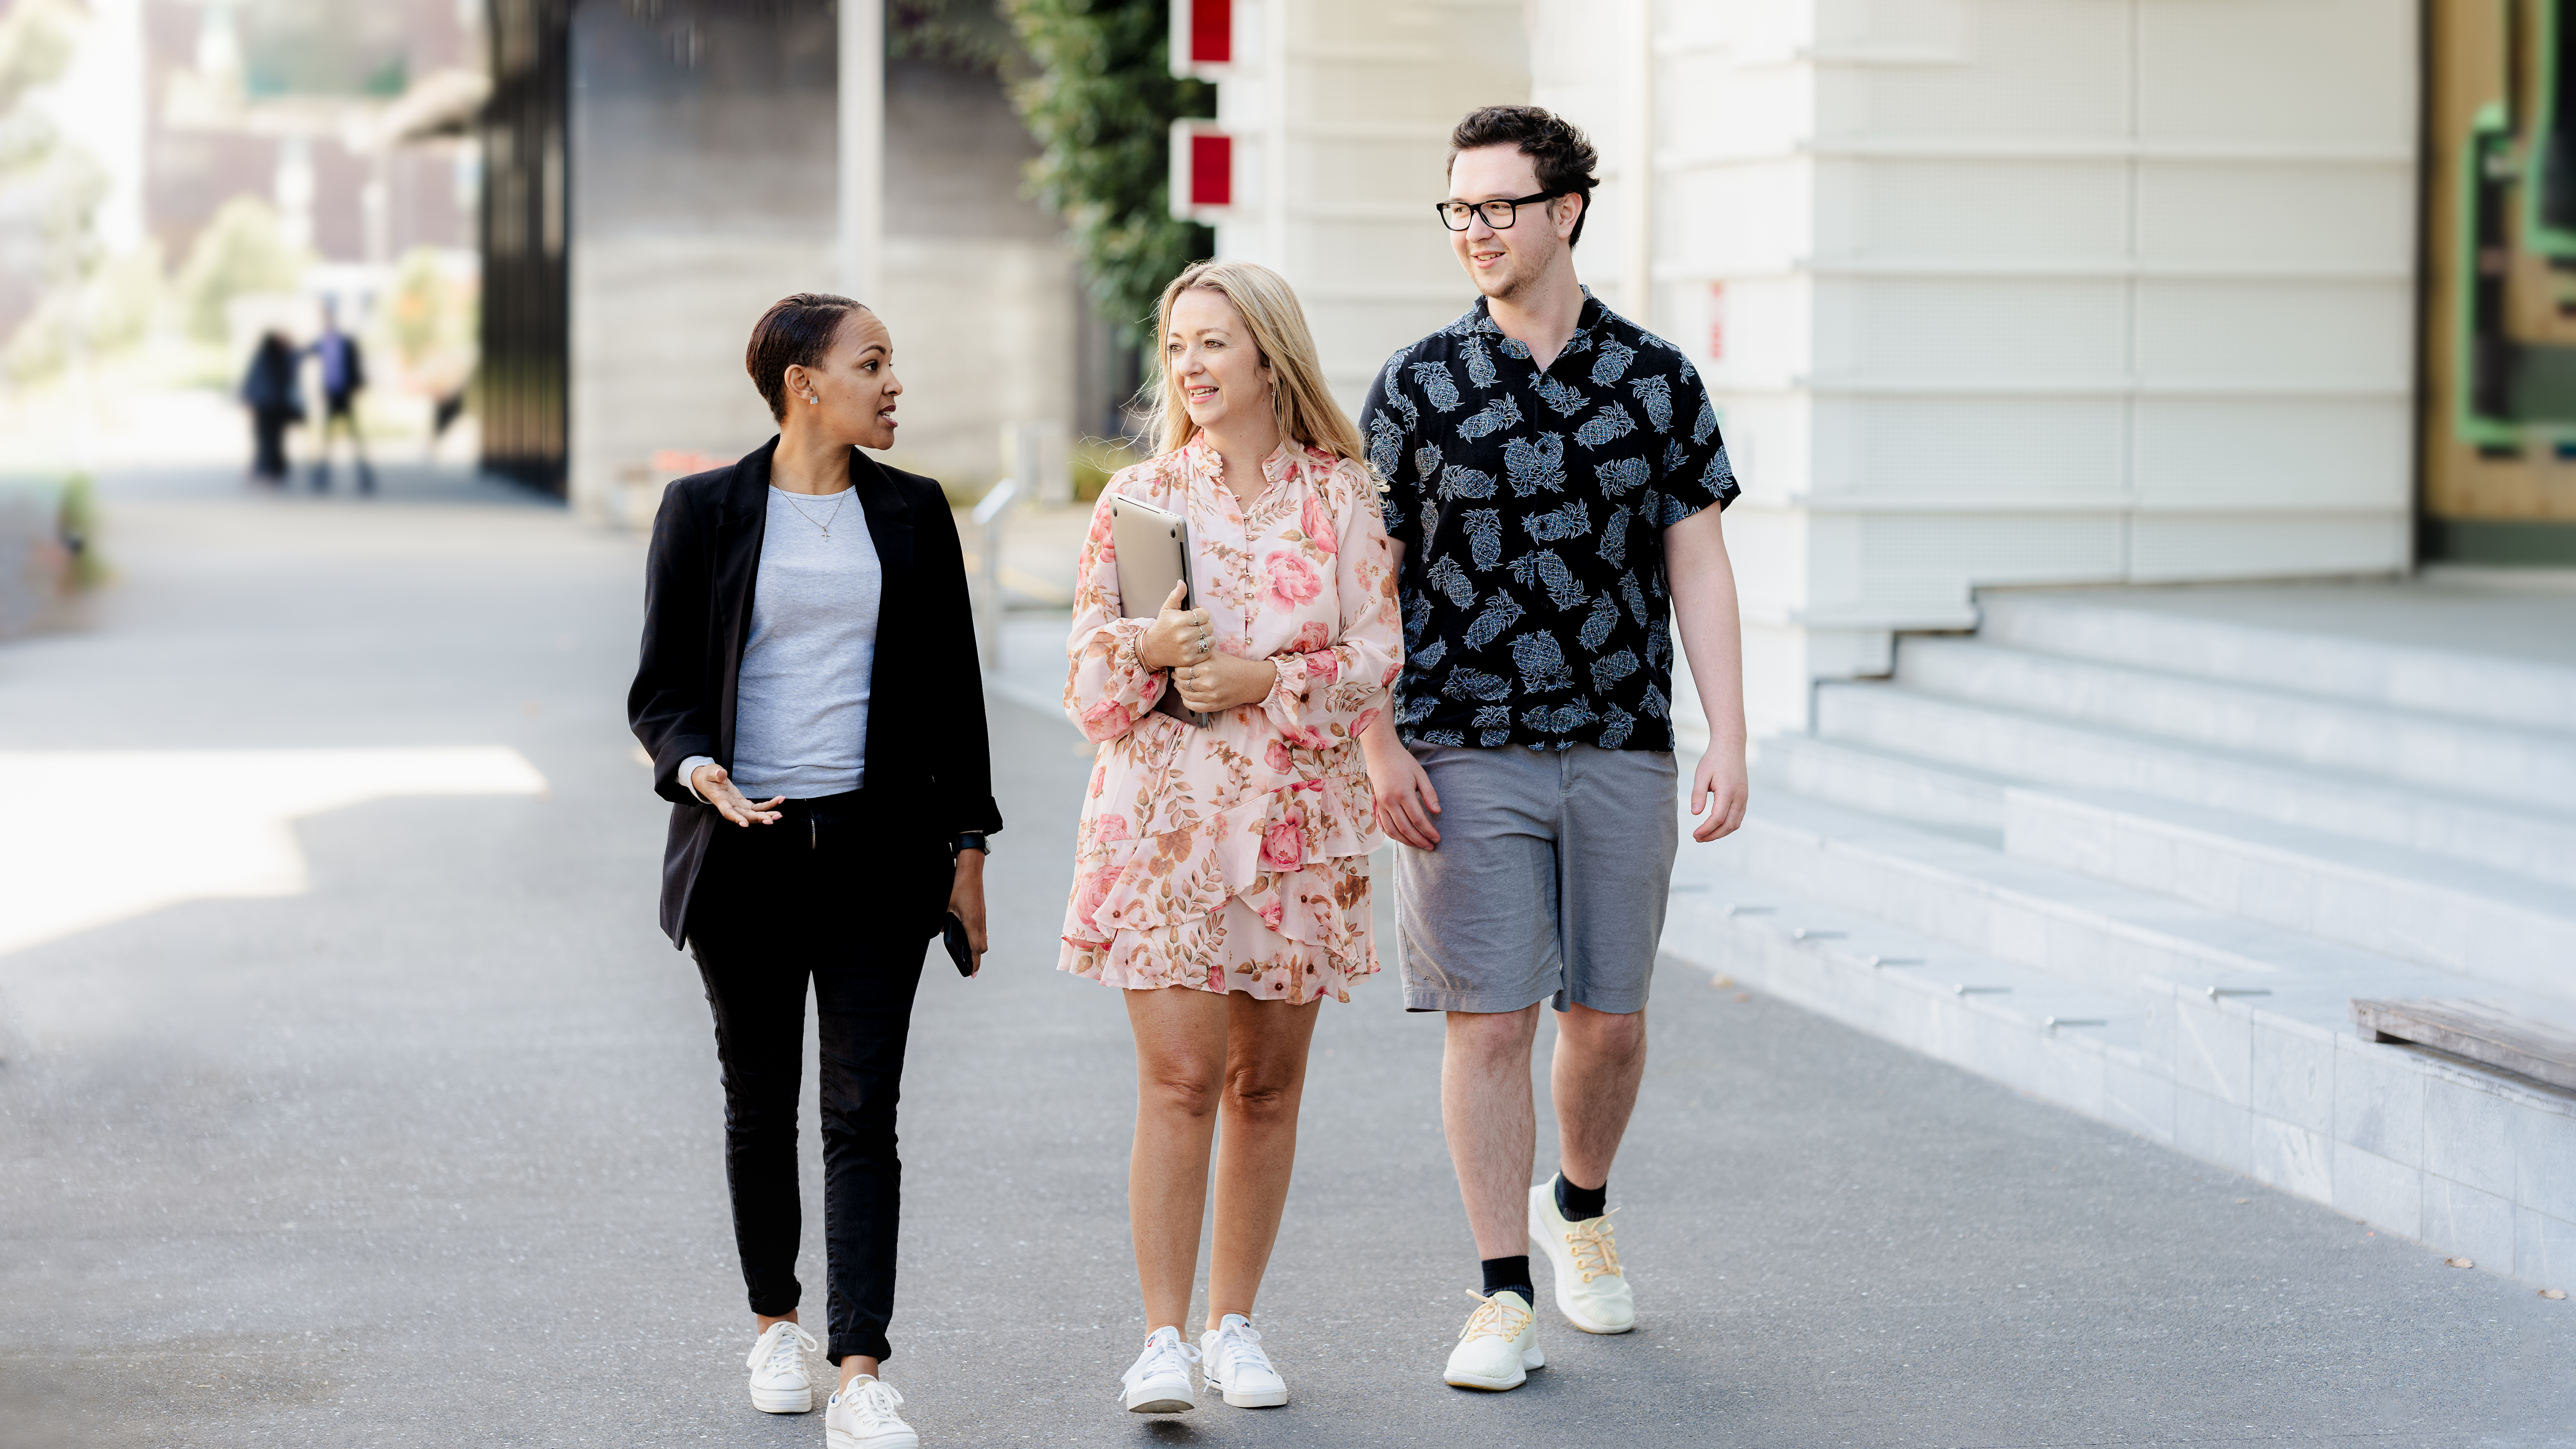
(428, 1152)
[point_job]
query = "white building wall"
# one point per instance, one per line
(2016, 291)
(1341, 110)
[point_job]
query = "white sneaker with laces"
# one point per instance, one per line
(1591, 1291)
(862, 1416)
(779, 1383)
(1231, 1360)
(1499, 1345)
(1159, 1381)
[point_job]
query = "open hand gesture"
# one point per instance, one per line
(715, 786)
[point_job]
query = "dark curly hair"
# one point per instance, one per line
(1562, 153)
(795, 332)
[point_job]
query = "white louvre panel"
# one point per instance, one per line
(2016, 291)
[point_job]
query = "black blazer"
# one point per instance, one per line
(927, 758)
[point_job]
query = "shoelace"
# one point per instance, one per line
(873, 1404)
(791, 1346)
(1236, 1345)
(1157, 1359)
(1595, 1254)
(1496, 1317)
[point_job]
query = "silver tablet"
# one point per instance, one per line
(1153, 549)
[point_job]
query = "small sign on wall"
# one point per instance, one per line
(1202, 45)
(1203, 172)
(1717, 321)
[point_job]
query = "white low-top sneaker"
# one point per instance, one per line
(1231, 1360)
(1159, 1381)
(1499, 1345)
(1590, 1290)
(779, 1384)
(862, 1416)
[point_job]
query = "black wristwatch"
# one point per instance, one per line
(968, 840)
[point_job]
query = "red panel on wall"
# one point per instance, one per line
(1211, 31)
(1211, 170)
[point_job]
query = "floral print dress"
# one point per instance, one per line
(1233, 858)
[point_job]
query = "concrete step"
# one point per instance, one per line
(1933, 995)
(2496, 762)
(2144, 630)
(1956, 801)
(2486, 924)
(2086, 931)
(2471, 1162)
(1992, 742)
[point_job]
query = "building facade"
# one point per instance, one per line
(696, 160)
(1991, 292)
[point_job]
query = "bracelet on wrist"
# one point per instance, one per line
(969, 840)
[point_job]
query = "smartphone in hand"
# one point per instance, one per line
(960, 950)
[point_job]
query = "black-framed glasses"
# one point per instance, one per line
(1497, 214)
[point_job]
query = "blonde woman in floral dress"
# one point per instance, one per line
(1221, 874)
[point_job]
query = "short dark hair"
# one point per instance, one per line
(795, 332)
(1562, 153)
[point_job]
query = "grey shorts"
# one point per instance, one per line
(1550, 879)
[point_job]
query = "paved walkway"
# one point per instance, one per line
(421, 1145)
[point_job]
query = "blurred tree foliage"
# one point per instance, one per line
(1101, 101)
(971, 33)
(46, 182)
(240, 253)
(429, 322)
(109, 309)
(49, 189)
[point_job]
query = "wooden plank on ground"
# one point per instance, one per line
(2475, 1030)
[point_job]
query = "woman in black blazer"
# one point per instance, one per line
(807, 636)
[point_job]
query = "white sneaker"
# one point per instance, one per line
(1590, 1290)
(1159, 1381)
(1499, 1345)
(862, 1416)
(1231, 1359)
(779, 1384)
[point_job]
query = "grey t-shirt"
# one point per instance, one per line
(801, 712)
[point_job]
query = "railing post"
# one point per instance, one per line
(991, 513)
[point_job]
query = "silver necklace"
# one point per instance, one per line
(826, 525)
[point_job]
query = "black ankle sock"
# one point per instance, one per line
(1512, 1274)
(1575, 1204)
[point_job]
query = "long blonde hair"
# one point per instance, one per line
(1268, 305)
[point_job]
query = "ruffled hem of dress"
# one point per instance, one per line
(1306, 923)
(1096, 961)
(1149, 961)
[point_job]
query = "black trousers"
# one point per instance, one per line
(339, 412)
(833, 896)
(268, 433)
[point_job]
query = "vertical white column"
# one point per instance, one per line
(1637, 268)
(1277, 87)
(375, 207)
(100, 99)
(292, 190)
(863, 149)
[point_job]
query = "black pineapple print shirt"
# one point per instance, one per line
(1531, 506)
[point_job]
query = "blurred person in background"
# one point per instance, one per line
(1221, 871)
(808, 645)
(344, 376)
(275, 397)
(443, 414)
